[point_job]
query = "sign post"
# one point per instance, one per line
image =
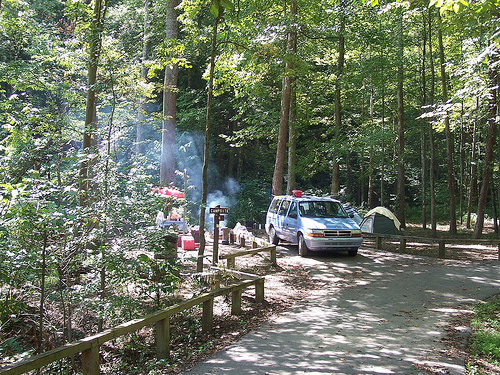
(218, 213)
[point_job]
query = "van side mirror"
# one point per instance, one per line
(292, 215)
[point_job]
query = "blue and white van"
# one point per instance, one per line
(314, 223)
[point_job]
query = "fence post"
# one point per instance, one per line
(259, 290)
(442, 250)
(216, 281)
(378, 241)
(90, 361)
(402, 245)
(231, 262)
(242, 241)
(236, 302)
(273, 255)
(208, 315)
(163, 338)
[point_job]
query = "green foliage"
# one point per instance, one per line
(485, 340)
(252, 201)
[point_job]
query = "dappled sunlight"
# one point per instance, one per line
(376, 313)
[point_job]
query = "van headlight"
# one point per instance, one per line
(315, 233)
(356, 233)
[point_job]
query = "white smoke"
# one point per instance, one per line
(190, 158)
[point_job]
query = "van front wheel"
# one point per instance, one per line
(273, 238)
(303, 250)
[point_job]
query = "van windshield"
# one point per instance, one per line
(322, 209)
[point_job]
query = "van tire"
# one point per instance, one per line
(303, 250)
(352, 253)
(273, 238)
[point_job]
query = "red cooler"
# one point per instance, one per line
(187, 243)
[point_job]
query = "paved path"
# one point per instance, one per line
(377, 313)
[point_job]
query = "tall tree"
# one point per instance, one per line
(217, 10)
(146, 52)
(492, 135)
(167, 163)
(292, 146)
(401, 126)
(432, 161)
(423, 131)
(449, 138)
(287, 81)
(335, 188)
(89, 135)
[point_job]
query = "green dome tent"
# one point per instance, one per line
(381, 221)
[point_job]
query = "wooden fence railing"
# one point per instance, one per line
(231, 256)
(89, 346)
(441, 242)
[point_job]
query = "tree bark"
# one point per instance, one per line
(449, 137)
(473, 171)
(423, 143)
(292, 147)
(206, 153)
(335, 188)
(401, 127)
(279, 165)
(142, 108)
(89, 135)
(432, 161)
(167, 164)
(492, 130)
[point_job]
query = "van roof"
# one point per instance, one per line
(306, 198)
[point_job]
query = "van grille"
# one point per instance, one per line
(337, 233)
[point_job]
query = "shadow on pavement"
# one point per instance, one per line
(376, 313)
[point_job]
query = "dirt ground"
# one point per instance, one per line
(289, 283)
(285, 285)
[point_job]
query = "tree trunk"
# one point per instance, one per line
(370, 180)
(167, 164)
(89, 135)
(401, 127)
(449, 137)
(382, 169)
(146, 52)
(473, 171)
(279, 165)
(490, 141)
(206, 154)
(462, 165)
(292, 147)
(371, 177)
(432, 161)
(423, 143)
(42, 290)
(335, 188)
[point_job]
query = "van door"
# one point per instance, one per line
(290, 225)
(280, 219)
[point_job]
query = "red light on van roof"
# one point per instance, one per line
(297, 193)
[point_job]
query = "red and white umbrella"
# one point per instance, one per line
(169, 192)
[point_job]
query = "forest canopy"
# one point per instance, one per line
(391, 103)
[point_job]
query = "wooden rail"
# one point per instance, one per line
(89, 346)
(231, 257)
(440, 241)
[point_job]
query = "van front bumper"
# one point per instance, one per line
(317, 244)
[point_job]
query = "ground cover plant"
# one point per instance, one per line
(484, 343)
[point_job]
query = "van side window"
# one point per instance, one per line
(293, 210)
(274, 206)
(284, 208)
